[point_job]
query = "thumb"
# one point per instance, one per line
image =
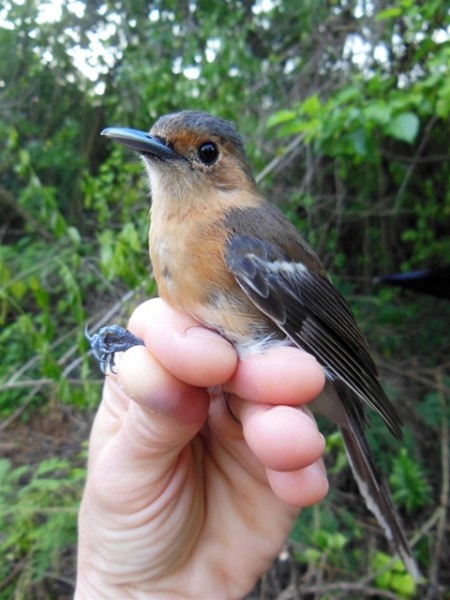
(141, 434)
(158, 401)
(165, 412)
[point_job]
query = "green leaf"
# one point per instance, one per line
(410, 488)
(281, 117)
(393, 575)
(389, 13)
(297, 126)
(310, 555)
(311, 106)
(380, 113)
(345, 96)
(18, 289)
(74, 235)
(130, 236)
(403, 127)
(358, 140)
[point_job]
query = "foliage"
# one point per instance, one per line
(393, 576)
(344, 108)
(37, 519)
(410, 488)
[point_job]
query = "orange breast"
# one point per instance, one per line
(191, 274)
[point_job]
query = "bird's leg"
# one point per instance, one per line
(109, 340)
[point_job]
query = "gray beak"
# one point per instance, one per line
(141, 142)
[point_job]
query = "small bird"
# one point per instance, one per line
(224, 255)
(435, 282)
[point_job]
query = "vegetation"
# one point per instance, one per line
(344, 106)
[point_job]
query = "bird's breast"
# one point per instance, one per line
(191, 274)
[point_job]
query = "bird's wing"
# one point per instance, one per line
(311, 312)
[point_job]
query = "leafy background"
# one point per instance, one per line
(344, 106)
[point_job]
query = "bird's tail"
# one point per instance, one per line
(374, 491)
(339, 404)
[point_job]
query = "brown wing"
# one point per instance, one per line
(311, 312)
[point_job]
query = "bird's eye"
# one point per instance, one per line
(208, 153)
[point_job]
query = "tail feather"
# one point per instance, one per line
(339, 404)
(375, 492)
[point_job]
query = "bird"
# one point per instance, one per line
(223, 254)
(434, 282)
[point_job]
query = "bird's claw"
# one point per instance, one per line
(109, 340)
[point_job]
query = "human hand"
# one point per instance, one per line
(181, 500)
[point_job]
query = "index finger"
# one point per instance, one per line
(281, 375)
(194, 354)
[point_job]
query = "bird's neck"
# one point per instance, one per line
(185, 203)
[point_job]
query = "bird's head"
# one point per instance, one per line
(190, 156)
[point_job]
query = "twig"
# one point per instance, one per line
(425, 376)
(320, 589)
(36, 385)
(426, 526)
(412, 166)
(13, 204)
(101, 320)
(30, 383)
(70, 582)
(104, 318)
(445, 491)
(34, 359)
(416, 159)
(19, 410)
(25, 383)
(278, 159)
(13, 573)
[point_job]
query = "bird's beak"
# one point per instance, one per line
(141, 142)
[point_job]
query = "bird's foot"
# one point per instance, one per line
(109, 340)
